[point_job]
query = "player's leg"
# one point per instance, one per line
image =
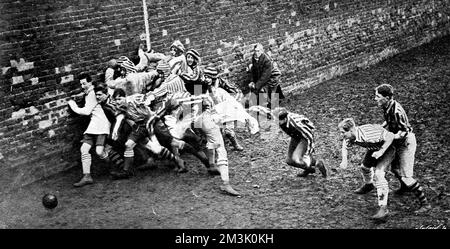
(406, 156)
(295, 157)
(231, 135)
(395, 169)
(86, 161)
(222, 164)
(367, 173)
(128, 156)
(381, 183)
(306, 137)
(163, 153)
(100, 147)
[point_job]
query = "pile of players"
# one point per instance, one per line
(162, 105)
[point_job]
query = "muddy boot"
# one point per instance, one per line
(382, 214)
(87, 179)
(234, 142)
(321, 167)
(181, 165)
(418, 191)
(226, 187)
(366, 188)
(306, 172)
(125, 173)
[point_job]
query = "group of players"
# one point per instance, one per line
(169, 103)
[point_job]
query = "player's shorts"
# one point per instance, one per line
(162, 133)
(93, 139)
(403, 164)
(139, 134)
(383, 161)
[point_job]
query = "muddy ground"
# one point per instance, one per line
(272, 195)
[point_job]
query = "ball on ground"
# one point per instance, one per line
(49, 201)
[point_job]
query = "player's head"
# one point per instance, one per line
(101, 92)
(192, 57)
(211, 74)
(177, 48)
(383, 94)
(347, 127)
(258, 50)
(163, 69)
(112, 63)
(85, 81)
(119, 95)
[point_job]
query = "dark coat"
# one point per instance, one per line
(264, 72)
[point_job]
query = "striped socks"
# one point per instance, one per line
(115, 158)
(86, 162)
(417, 189)
(166, 154)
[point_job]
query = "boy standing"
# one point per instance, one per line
(96, 132)
(396, 121)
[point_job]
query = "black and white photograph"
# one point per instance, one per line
(245, 117)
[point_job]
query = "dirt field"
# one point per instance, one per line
(272, 195)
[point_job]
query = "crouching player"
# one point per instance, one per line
(301, 147)
(379, 155)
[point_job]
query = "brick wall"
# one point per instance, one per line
(45, 44)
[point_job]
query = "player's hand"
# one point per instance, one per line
(252, 85)
(343, 165)
(114, 135)
(377, 154)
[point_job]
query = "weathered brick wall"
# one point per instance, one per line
(46, 44)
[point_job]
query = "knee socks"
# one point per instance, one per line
(128, 158)
(166, 154)
(86, 162)
(417, 189)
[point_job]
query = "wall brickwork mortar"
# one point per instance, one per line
(45, 44)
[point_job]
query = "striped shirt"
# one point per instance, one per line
(126, 63)
(193, 73)
(135, 108)
(110, 109)
(178, 65)
(396, 119)
(172, 84)
(299, 126)
(370, 136)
